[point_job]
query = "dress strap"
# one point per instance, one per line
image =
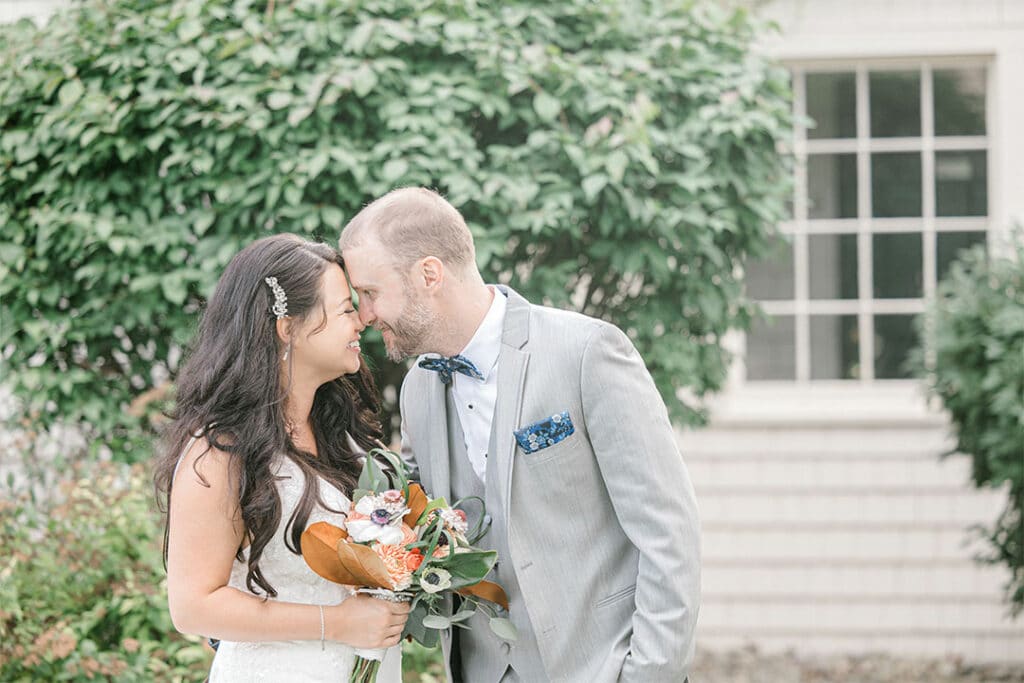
(182, 455)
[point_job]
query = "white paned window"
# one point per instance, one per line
(891, 183)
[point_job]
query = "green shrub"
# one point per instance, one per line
(974, 334)
(83, 592)
(617, 157)
(422, 665)
(82, 586)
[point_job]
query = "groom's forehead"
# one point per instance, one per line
(368, 267)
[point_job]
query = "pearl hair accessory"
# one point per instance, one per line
(280, 307)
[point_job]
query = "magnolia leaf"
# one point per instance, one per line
(489, 591)
(319, 545)
(365, 565)
(417, 502)
(352, 564)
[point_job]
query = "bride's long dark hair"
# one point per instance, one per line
(230, 393)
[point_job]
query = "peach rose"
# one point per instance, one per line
(394, 558)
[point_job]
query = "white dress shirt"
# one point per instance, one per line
(474, 399)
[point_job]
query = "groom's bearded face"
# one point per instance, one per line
(409, 334)
(390, 302)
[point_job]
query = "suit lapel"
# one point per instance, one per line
(512, 362)
(437, 442)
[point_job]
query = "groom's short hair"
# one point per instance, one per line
(412, 223)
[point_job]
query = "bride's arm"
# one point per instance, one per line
(205, 529)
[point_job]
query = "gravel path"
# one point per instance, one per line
(748, 665)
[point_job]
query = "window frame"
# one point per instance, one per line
(928, 225)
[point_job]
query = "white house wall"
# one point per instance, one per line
(830, 522)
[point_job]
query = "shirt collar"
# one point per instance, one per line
(483, 349)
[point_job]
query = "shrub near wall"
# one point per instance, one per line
(83, 589)
(616, 157)
(976, 332)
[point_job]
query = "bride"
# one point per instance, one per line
(273, 405)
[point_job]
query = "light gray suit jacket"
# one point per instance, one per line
(602, 526)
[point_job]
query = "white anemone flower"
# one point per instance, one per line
(435, 580)
(376, 520)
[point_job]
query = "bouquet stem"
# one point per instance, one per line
(365, 670)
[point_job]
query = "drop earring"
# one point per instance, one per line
(287, 350)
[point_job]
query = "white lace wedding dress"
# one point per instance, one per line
(300, 661)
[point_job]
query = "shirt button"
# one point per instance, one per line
(506, 648)
(471, 406)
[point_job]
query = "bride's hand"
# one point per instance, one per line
(365, 622)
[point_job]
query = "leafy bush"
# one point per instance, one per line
(975, 333)
(82, 586)
(421, 664)
(615, 157)
(83, 592)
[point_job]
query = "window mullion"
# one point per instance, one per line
(928, 180)
(865, 325)
(799, 237)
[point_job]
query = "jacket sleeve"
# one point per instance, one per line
(650, 489)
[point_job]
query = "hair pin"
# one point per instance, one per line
(280, 307)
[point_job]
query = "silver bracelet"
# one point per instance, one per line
(322, 629)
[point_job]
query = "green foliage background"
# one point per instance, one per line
(622, 150)
(617, 157)
(975, 335)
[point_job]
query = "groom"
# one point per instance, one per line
(552, 418)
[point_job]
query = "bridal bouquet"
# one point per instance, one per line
(401, 545)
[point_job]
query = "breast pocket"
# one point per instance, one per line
(563, 450)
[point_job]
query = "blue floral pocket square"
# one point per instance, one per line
(544, 433)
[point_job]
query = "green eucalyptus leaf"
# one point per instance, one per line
(503, 628)
(436, 621)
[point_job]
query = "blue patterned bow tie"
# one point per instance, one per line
(444, 367)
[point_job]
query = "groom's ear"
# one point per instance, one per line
(432, 272)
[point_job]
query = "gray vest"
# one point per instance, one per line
(483, 657)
